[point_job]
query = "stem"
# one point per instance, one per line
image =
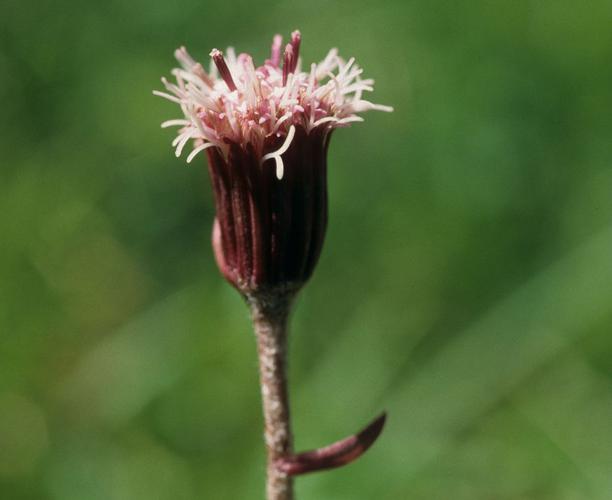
(270, 316)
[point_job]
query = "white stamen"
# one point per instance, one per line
(324, 120)
(350, 119)
(361, 106)
(277, 154)
(280, 121)
(183, 140)
(167, 96)
(172, 123)
(202, 147)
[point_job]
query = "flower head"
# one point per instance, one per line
(236, 102)
(270, 222)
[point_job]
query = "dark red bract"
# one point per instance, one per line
(268, 232)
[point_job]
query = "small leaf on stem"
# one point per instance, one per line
(335, 455)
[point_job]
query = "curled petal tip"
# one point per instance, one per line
(340, 453)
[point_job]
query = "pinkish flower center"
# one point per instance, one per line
(235, 102)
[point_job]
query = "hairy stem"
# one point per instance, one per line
(270, 316)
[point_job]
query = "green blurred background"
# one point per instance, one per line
(465, 285)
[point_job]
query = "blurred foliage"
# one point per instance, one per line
(466, 282)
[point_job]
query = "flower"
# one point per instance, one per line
(270, 223)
